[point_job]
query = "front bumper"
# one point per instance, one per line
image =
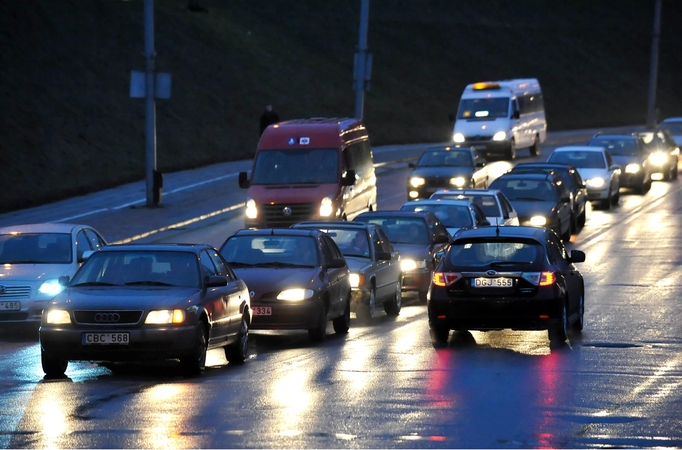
(417, 280)
(30, 311)
(287, 315)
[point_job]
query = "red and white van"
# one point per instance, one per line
(310, 169)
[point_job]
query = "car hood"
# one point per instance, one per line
(33, 272)
(358, 264)
(126, 297)
(587, 174)
(623, 161)
(261, 280)
(528, 209)
(441, 172)
(413, 251)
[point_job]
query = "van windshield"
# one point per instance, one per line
(483, 108)
(296, 166)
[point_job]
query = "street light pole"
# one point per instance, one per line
(149, 101)
(363, 62)
(651, 119)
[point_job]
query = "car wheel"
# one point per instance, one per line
(574, 224)
(342, 323)
(512, 150)
(53, 367)
(578, 324)
(319, 333)
(439, 333)
(196, 362)
(237, 352)
(641, 189)
(582, 218)
(668, 174)
(365, 313)
(422, 296)
(674, 176)
(559, 331)
(393, 306)
(615, 199)
(566, 236)
(535, 148)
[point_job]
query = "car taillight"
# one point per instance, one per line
(547, 279)
(445, 278)
(539, 278)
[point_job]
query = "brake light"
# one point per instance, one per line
(445, 278)
(547, 279)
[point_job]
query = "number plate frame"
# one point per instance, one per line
(108, 338)
(262, 310)
(10, 305)
(502, 282)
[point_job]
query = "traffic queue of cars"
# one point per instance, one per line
(485, 258)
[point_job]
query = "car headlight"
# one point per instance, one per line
(417, 181)
(410, 264)
(632, 168)
(538, 221)
(457, 181)
(356, 279)
(676, 151)
(326, 207)
(51, 288)
(500, 136)
(658, 158)
(458, 138)
(58, 317)
(166, 316)
(251, 209)
(295, 295)
(596, 182)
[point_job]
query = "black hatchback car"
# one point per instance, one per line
(630, 152)
(573, 181)
(446, 167)
(518, 278)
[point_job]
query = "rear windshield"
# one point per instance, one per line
(401, 230)
(528, 190)
(452, 216)
(583, 160)
(483, 108)
(487, 202)
(496, 255)
(296, 166)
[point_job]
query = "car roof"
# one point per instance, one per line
(49, 227)
(277, 232)
(315, 224)
(672, 119)
(548, 165)
(580, 148)
(439, 201)
(530, 176)
(370, 214)
(468, 192)
(141, 247)
(493, 231)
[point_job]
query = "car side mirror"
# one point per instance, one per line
(412, 165)
(577, 256)
(336, 263)
(383, 256)
(64, 280)
(516, 115)
(82, 257)
(215, 281)
(244, 180)
(349, 178)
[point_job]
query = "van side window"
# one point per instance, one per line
(358, 157)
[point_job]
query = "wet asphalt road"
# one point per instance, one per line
(384, 385)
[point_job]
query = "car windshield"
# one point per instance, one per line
(270, 250)
(444, 157)
(618, 146)
(351, 242)
(487, 202)
(296, 166)
(492, 254)
(525, 190)
(674, 127)
(401, 230)
(452, 216)
(483, 108)
(36, 248)
(139, 267)
(581, 159)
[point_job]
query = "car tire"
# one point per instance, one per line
(558, 332)
(574, 225)
(607, 202)
(365, 313)
(566, 237)
(237, 352)
(393, 306)
(511, 153)
(535, 148)
(582, 218)
(439, 333)
(319, 333)
(195, 363)
(580, 322)
(668, 174)
(615, 199)
(674, 175)
(53, 367)
(342, 323)
(422, 296)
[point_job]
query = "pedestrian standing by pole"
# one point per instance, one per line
(268, 118)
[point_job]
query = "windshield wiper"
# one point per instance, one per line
(23, 261)
(148, 283)
(95, 283)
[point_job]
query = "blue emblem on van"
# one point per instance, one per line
(304, 141)
(291, 141)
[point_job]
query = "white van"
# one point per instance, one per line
(499, 117)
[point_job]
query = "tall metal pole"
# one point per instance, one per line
(651, 119)
(361, 69)
(149, 100)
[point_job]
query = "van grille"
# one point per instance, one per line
(12, 292)
(478, 138)
(274, 215)
(437, 182)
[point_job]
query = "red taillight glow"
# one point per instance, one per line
(445, 278)
(547, 279)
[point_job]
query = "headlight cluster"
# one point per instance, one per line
(58, 317)
(51, 287)
(500, 136)
(417, 181)
(538, 221)
(596, 182)
(458, 138)
(632, 168)
(251, 209)
(658, 158)
(166, 316)
(326, 207)
(458, 181)
(356, 279)
(410, 264)
(295, 295)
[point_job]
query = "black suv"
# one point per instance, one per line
(664, 152)
(573, 180)
(629, 151)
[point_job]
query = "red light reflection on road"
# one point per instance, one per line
(440, 376)
(548, 388)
